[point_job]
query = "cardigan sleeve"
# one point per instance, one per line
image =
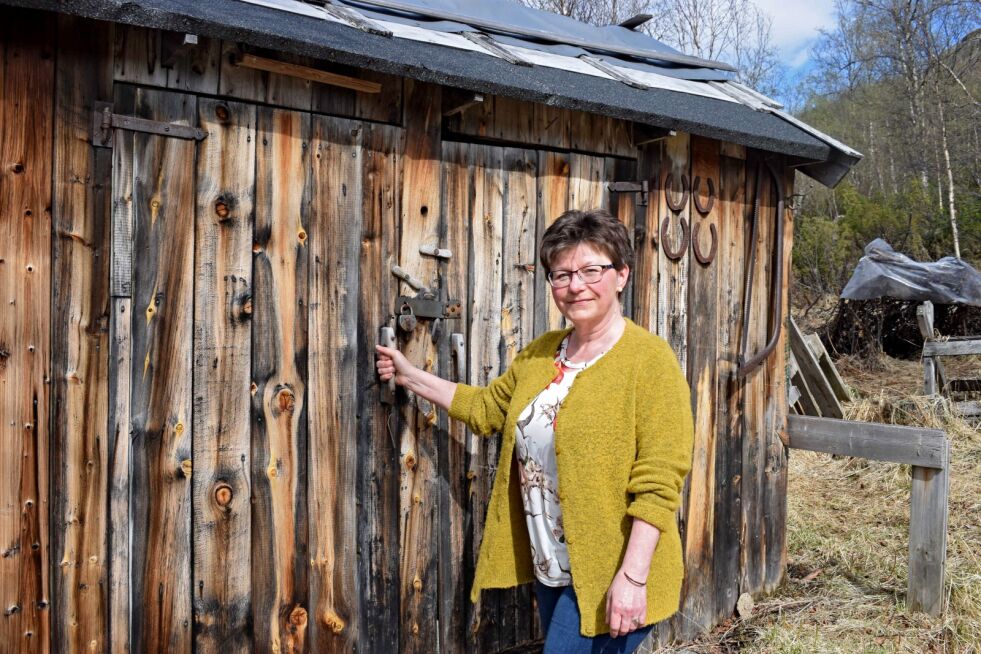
(484, 408)
(665, 435)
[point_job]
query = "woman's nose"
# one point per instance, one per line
(576, 283)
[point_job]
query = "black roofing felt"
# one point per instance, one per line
(279, 30)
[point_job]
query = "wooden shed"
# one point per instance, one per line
(202, 205)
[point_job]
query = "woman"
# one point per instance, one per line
(598, 419)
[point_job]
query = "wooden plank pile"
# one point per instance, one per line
(816, 387)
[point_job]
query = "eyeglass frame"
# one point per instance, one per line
(578, 273)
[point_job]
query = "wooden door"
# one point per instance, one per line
(241, 338)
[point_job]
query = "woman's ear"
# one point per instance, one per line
(622, 276)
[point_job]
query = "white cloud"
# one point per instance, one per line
(796, 24)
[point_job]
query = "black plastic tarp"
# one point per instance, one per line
(883, 272)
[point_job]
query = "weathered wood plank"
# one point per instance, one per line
(623, 207)
(279, 381)
(646, 239)
(80, 339)
(261, 86)
(138, 56)
(551, 127)
(163, 200)
(755, 392)
(672, 292)
(120, 386)
(775, 469)
(952, 348)
(517, 319)
(486, 277)
(457, 555)
(222, 359)
(26, 135)
(928, 537)
(335, 236)
(915, 446)
(729, 424)
(553, 199)
(191, 67)
(378, 491)
(810, 367)
(587, 177)
(697, 613)
(514, 120)
(418, 448)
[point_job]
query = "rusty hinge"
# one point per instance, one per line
(631, 187)
(104, 122)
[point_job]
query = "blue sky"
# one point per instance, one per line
(795, 27)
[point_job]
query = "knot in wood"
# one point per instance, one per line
(221, 209)
(333, 621)
(221, 111)
(286, 399)
(223, 495)
(179, 428)
(417, 584)
(302, 235)
(409, 460)
(186, 468)
(18, 168)
(415, 628)
(298, 616)
(253, 388)
(417, 498)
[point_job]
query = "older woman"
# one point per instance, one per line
(598, 420)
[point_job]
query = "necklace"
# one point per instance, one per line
(572, 365)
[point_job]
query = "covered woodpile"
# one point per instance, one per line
(208, 211)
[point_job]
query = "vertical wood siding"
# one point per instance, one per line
(27, 79)
(223, 306)
(279, 378)
(80, 340)
(162, 328)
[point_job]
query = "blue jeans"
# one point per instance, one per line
(560, 621)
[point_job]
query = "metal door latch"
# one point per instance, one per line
(425, 306)
(631, 187)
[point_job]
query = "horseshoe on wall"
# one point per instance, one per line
(685, 190)
(674, 255)
(698, 201)
(704, 259)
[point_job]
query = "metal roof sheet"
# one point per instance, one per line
(716, 109)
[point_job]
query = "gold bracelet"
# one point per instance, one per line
(633, 581)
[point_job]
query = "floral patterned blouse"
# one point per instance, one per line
(537, 470)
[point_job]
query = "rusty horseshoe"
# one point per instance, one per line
(674, 255)
(704, 210)
(704, 259)
(685, 190)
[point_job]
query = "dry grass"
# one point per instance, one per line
(847, 539)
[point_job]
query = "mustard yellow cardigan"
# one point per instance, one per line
(623, 442)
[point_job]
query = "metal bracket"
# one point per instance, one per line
(429, 307)
(631, 187)
(104, 122)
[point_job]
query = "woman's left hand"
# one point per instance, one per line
(626, 606)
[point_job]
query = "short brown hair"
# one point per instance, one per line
(596, 227)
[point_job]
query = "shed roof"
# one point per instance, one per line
(518, 52)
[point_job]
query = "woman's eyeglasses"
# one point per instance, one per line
(587, 275)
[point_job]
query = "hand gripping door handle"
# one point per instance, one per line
(386, 337)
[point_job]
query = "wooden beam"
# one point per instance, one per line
(968, 408)
(952, 347)
(928, 537)
(912, 445)
(305, 72)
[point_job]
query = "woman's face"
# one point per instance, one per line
(588, 304)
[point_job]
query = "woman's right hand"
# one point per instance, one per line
(391, 363)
